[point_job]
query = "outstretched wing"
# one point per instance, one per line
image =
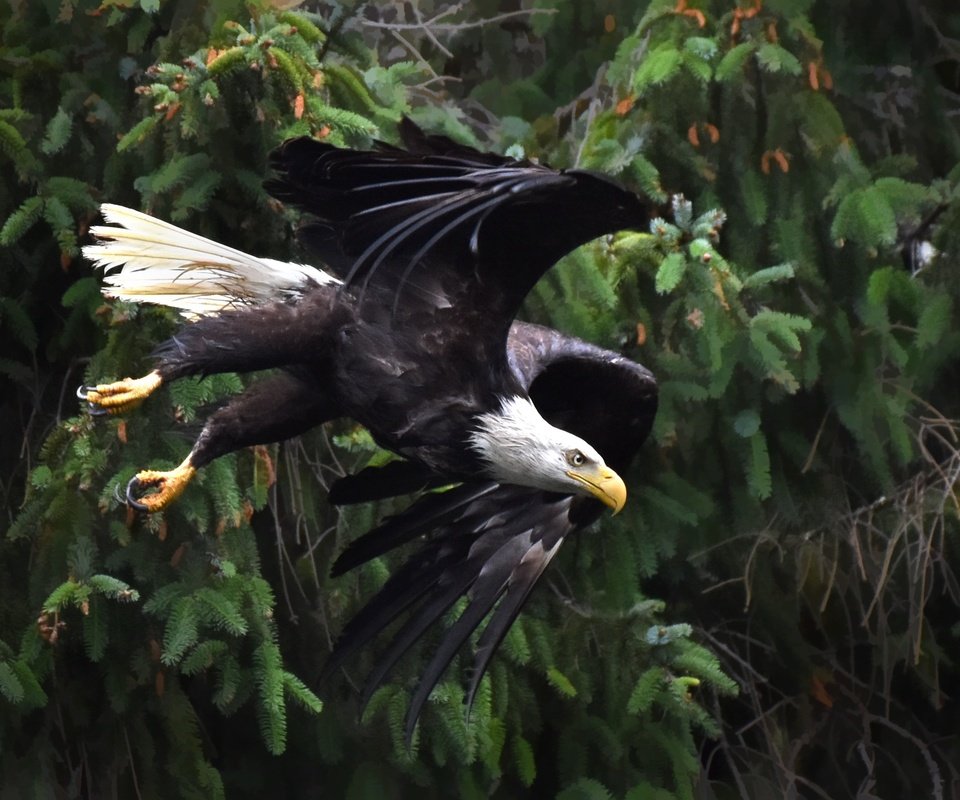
(438, 220)
(488, 542)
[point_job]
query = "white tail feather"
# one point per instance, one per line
(161, 263)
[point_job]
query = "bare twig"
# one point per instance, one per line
(133, 766)
(415, 53)
(454, 27)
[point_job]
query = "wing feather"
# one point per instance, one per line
(489, 224)
(495, 577)
(410, 583)
(389, 480)
(438, 602)
(432, 511)
(522, 580)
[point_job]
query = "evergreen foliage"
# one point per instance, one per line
(796, 508)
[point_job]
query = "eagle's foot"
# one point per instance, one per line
(119, 397)
(170, 486)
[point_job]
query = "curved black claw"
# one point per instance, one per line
(133, 488)
(92, 408)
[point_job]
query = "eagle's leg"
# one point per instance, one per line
(277, 408)
(237, 340)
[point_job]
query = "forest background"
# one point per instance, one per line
(775, 614)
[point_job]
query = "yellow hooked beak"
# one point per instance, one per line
(603, 483)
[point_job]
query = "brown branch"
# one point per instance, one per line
(454, 27)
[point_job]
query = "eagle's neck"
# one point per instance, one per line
(511, 442)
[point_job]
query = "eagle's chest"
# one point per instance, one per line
(420, 387)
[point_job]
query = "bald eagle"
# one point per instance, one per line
(434, 247)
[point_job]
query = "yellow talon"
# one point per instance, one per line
(116, 398)
(170, 486)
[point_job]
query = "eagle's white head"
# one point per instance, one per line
(519, 446)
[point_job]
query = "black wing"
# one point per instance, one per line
(438, 218)
(488, 542)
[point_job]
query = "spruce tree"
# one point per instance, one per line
(774, 611)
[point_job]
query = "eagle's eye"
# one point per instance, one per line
(575, 458)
